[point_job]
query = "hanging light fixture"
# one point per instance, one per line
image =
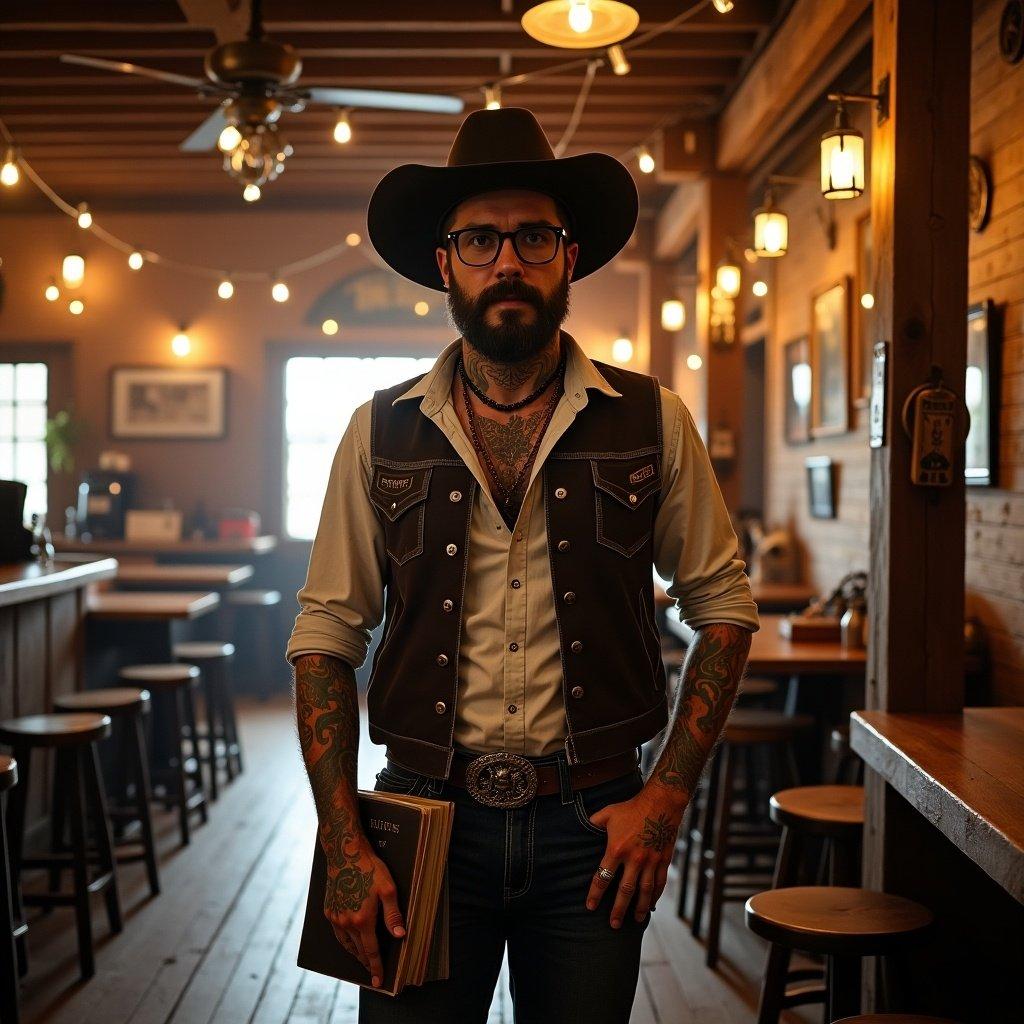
(771, 228)
(76, 307)
(644, 160)
(181, 343)
(329, 327)
(759, 288)
(136, 260)
(492, 97)
(225, 289)
(580, 24)
(694, 361)
(673, 315)
(622, 349)
(421, 308)
(617, 59)
(352, 238)
(229, 137)
(9, 173)
(842, 147)
(72, 269)
(251, 193)
(723, 6)
(342, 128)
(279, 291)
(84, 216)
(52, 292)
(728, 278)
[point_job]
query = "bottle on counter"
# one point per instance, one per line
(853, 625)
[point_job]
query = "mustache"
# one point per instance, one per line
(511, 289)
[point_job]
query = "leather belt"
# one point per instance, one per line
(504, 779)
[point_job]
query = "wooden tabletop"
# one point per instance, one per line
(29, 581)
(963, 772)
(183, 576)
(139, 605)
(771, 654)
(238, 546)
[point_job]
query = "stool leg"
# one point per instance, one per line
(80, 863)
(58, 822)
(15, 820)
(707, 823)
(8, 951)
(210, 700)
(178, 752)
(723, 814)
(232, 744)
(689, 824)
(773, 987)
(787, 863)
(190, 718)
(90, 758)
(842, 974)
(143, 798)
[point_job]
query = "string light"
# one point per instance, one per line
(181, 343)
(694, 361)
(329, 327)
(622, 349)
(617, 58)
(225, 289)
(867, 300)
(228, 139)
(342, 128)
(52, 292)
(76, 307)
(673, 315)
(723, 6)
(492, 97)
(421, 308)
(135, 261)
(84, 216)
(251, 193)
(352, 239)
(644, 160)
(72, 269)
(9, 173)
(759, 288)
(279, 291)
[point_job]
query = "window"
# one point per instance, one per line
(320, 395)
(23, 397)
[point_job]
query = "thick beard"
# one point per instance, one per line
(515, 338)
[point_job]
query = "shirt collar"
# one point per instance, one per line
(580, 374)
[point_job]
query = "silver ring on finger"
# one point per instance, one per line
(604, 874)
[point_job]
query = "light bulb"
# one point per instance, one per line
(72, 269)
(581, 17)
(673, 315)
(617, 57)
(251, 193)
(352, 238)
(52, 292)
(645, 161)
(181, 344)
(421, 308)
(867, 300)
(9, 173)
(279, 291)
(135, 261)
(329, 327)
(622, 350)
(76, 307)
(492, 97)
(342, 128)
(228, 139)
(84, 216)
(759, 288)
(225, 289)
(727, 277)
(694, 361)
(723, 6)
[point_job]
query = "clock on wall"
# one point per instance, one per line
(979, 193)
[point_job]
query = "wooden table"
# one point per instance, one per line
(150, 606)
(963, 772)
(169, 550)
(183, 577)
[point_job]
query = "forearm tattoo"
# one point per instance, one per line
(327, 715)
(711, 676)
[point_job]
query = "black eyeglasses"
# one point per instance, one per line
(479, 247)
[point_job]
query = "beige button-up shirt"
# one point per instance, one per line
(510, 676)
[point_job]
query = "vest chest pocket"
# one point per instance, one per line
(400, 496)
(624, 511)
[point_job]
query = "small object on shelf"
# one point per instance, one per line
(238, 524)
(810, 628)
(853, 625)
(153, 525)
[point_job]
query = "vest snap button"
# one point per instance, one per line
(577, 692)
(632, 499)
(576, 646)
(560, 492)
(563, 545)
(455, 496)
(394, 504)
(452, 549)
(447, 604)
(440, 707)
(513, 646)
(569, 597)
(511, 709)
(442, 659)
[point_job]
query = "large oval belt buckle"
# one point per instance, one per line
(501, 779)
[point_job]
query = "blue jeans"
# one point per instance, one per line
(521, 877)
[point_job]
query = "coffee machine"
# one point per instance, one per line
(104, 495)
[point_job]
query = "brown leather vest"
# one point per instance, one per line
(600, 487)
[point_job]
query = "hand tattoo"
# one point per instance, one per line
(657, 834)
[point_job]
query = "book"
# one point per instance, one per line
(410, 834)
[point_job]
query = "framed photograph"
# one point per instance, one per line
(821, 487)
(830, 360)
(796, 369)
(981, 392)
(863, 314)
(167, 403)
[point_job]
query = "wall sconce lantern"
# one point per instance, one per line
(842, 147)
(771, 228)
(728, 278)
(673, 315)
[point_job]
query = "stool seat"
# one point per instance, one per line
(115, 700)
(757, 687)
(820, 810)
(894, 1018)
(202, 650)
(8, 773)
(163, 673)
(253, 596)
(54, 730)
(762, 725)
(836, 919)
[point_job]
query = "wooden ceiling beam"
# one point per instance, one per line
(228, 21)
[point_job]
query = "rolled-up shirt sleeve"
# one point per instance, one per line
(342, 600)
(695, 545)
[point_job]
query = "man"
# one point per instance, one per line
(510, 504)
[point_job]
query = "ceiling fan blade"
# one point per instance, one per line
(134, 69)
(205, 137)
(423, 102)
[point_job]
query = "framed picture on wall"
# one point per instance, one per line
(830, 360)
(821, 487)
(164, 403)
(796, 370)
(863, 313)
(981, 393)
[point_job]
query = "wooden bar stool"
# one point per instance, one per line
(127, 707)
(221, 732)
(10, 958)
(73, 738)
(178, 683)
(252, 615)
(849, 768)
(765, 730)
(843, 924)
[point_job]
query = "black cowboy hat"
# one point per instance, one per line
(496, 149)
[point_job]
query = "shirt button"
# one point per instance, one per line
(452, 549)
(576, 646)
(447, 604)
(440, 707)
(560, 492)
(563, 545)
(577, 692)
(455, 496)
(513, 646)
(516, 584)
(442, 659)
(569, 597)
(519, 536)
(512, 709)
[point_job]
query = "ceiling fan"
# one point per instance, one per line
(256, 79)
